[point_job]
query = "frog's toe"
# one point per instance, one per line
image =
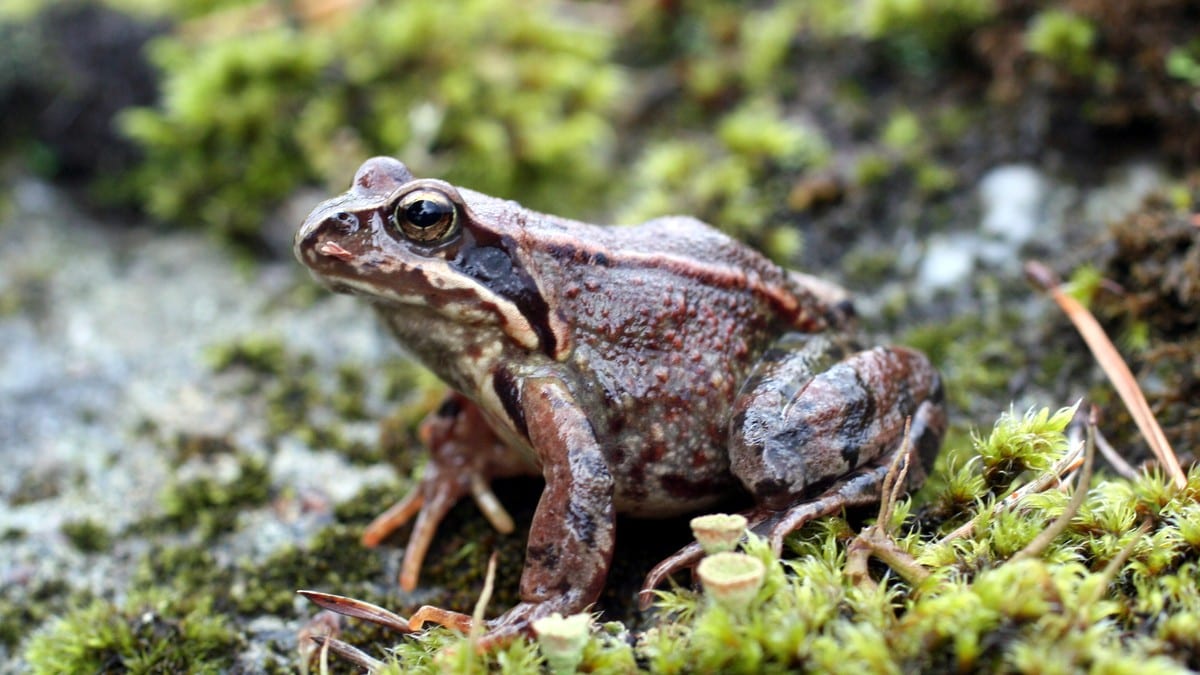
(490, 505)
(440, 497)
(393, 519)
(856, 490)
(442, 617)
(359, 609)
(685, 558)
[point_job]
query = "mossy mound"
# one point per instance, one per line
(1103, 595)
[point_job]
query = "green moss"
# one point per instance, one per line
(1183, 63)
(335, 561)
(1063, 38)
(978, 611)
(975, 355)
(1029, 442)
(212, 505)
(921, 33)
(294, 391)
(151, 635)
(903, 132)
(24, 607)
(871, 168)
(527, 116)
(88, 535)
(726, 182)
(263, 354)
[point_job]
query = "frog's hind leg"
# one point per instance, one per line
(815, 429)
(809, 442)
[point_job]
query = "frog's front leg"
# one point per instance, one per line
(464, 456)
(573, 530)
(571, 537)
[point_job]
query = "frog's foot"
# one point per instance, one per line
(860, 489)
(465, 455)
(381, 617)
(500, 631)
(857, 490)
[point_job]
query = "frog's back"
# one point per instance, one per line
(700, 256)
(667, 318)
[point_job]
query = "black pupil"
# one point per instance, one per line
(426, 213)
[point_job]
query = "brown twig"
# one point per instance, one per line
(877, 539)
(1114, 367)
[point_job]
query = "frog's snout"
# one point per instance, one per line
(324, 226)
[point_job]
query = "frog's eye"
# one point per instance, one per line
(426, 215)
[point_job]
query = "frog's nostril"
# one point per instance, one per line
(346, 222)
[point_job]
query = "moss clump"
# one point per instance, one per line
(297, 397)
(1105, 65)
(1183, 63)
(922, 32)
(334, 559)
(261, 354)
(212, 505)
(88, 535)
(23, 608)
(526, 116)
(977, 358)
(147, 635)
(726, 182)
(1063, 38)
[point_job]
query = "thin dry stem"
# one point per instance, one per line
(349, 652)
(485, 596)
(1041, 542)
(877, 540)
(1114, 367)
(1052, 476)
(1114, 458)
(893, 480)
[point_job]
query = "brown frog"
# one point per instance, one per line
(651, 370)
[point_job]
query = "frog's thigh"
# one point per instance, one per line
(801, 423)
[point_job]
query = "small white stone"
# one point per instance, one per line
(1013, 199)
(948, 262)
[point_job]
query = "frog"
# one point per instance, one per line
(649, 370)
